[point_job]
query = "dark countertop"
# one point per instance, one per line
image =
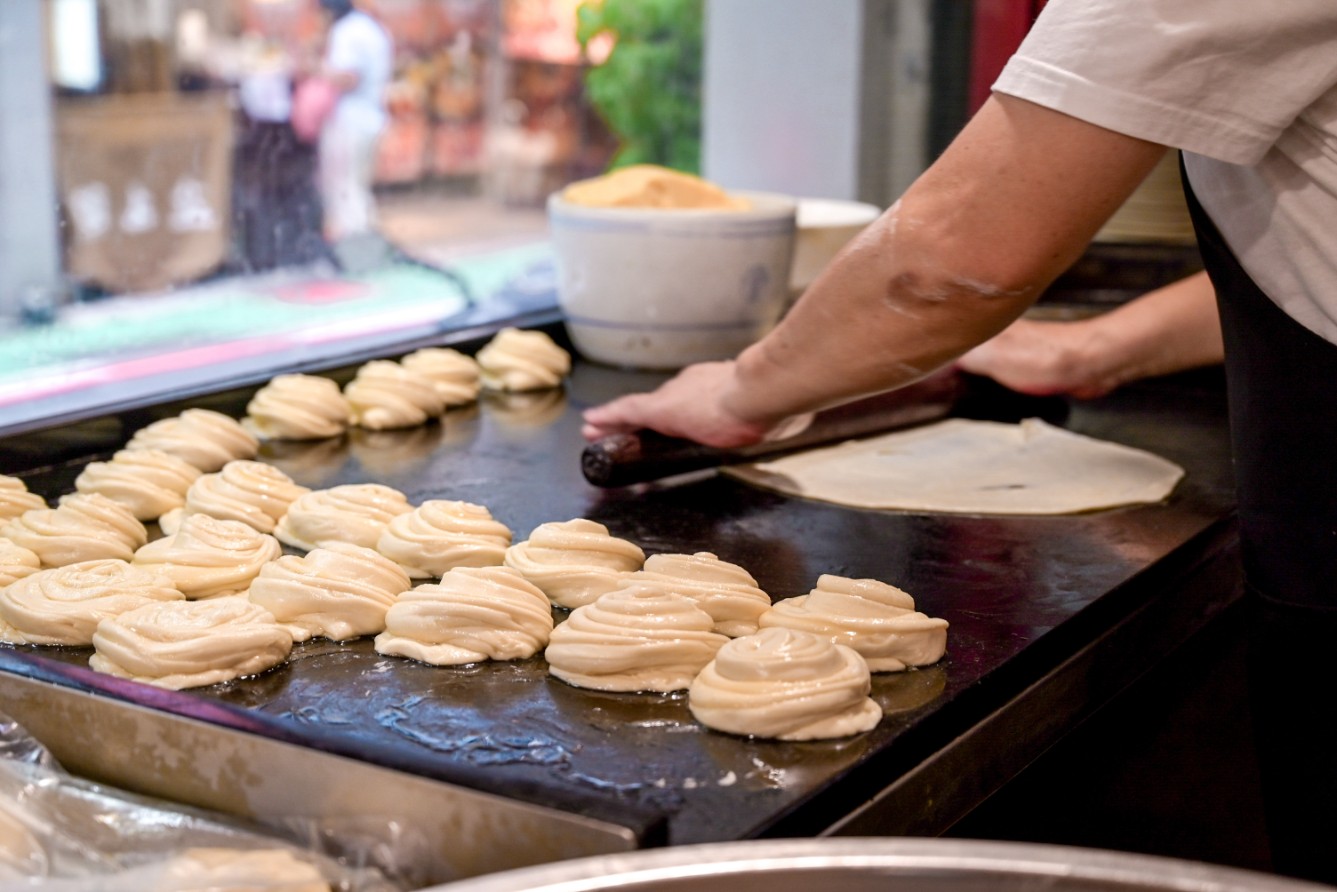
(1050, 617)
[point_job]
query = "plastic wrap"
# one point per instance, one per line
(59, 833)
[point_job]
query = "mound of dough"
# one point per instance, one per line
(634, 639)
(574, 561)
(190, 644)
(15, 498)
(82, 527)
(787, 685)
(204, 438)
(64, 605)
(522, 360)
(227, 870)
(473, 614)
(455, 376)
(385, 395)
(208, 557)
(298, 407)
(530, 409)
(974, 467)
(652, 186)
(149, 482)
(340, 591)
(354, 512)
(440, 535)
(726, 591)
(16, 562)
(251, 492)
(875, 619)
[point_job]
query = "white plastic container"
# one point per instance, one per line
(663, 288)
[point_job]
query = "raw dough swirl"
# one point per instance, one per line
(354, 512)
(204, 438)
(16, 562)
(637, 638)
(208, 557)
(340, 591)
(785, 684)
(876, 619)
(15, 498)
(298, 407)
(386, 395)
(473, 614)
(252, 492)
(190, 644)
(726, 591)
(226, 870)
(439, 535)
(82, 527)
(149, 482)
(522, 360)
(64, 605)
(574, 561)
(454, 375)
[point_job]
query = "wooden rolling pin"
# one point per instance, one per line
(642, 456)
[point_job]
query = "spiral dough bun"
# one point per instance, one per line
(339, 592)
(454, 375)
(298, 407)
(522, 360)
(210, 558)
(787, 685)
(876, 619)
(354, 512)
(385, 396)
(204, 438)
(15, 498)
(637, 638)
(189, 644)
(82, 527)
(149, 482)
(63, 605)
(440, 535)
(574, 561)
(473, 614)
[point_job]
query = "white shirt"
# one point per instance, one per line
(1248, 89)
(359, 44)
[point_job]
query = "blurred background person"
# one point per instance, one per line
(359, 63)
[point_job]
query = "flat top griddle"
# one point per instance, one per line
(1024, 595)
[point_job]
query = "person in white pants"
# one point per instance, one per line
(359, 59)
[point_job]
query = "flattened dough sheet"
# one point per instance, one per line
(973, 467)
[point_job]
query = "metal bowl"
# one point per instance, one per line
(884, 865)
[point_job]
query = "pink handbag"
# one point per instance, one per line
(312, 104)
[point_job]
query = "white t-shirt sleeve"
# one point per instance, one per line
(1222, 78)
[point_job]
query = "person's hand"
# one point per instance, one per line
(1173, 328)
(1045, 359)
(692, 405)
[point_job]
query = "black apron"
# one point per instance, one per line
(1282, 391)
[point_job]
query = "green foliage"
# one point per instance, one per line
(648, 90)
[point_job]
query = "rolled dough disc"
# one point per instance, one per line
(973, 467)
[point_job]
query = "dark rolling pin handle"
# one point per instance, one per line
(642, 456)
(624, 459)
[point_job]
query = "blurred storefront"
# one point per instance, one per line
(170, 152)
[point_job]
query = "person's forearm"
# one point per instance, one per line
(968, 247)
(1168, 330)
(1010, 204)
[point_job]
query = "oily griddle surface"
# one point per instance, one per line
(1020, 594)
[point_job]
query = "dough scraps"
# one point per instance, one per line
(974, 467)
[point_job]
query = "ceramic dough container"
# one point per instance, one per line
(661, 288)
